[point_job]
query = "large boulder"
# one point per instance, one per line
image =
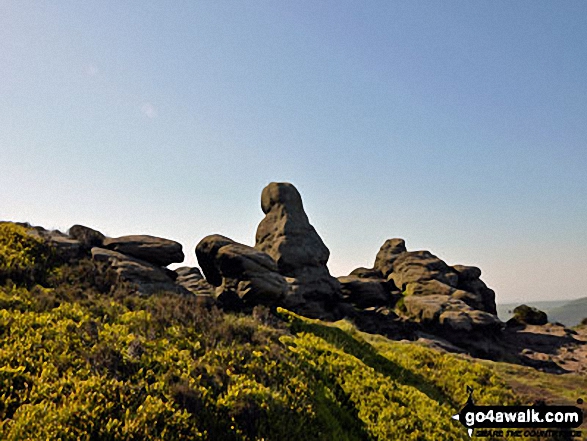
(365, 292)
(473, 291)
(155, 250)
(387, 254)
(191, 279)
(240, 271)
(366, 273)
(422, 273)
(450, 298)
(88, 237)
(145, 277)
(449, 314)
(528, 315)
(206, 252)
(287, 236)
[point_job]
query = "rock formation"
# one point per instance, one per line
(88, 237)
(287, 236)
(406, 295)
(439, 296)
(155, 250)
(528, 315)
(145, 277)
(65, 247)
(240, 272)
(365, 292)
(387, 254)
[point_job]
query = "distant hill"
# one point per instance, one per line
(567, 312)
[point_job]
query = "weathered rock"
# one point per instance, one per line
(189, 273)
(426, 309)
(451, 314)
(192, 280)
(88, 237)
(206, 252)
(423, 268)
(364, 292)
(529, 315)
(155, 250)
(461, 317)
(472, 299)
(242, 271)
(65, 247)
(481, 297)
(387, 254)
(467, 272)
(367, 273)
(146, 277)
(286, 235)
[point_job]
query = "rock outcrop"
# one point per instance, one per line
(422, 273)
(191, 279)
(452, 301)
(145, 277)
(88, 237)
(240, 272)
(366, 292)
(287, 236)
(65, 247)
(387, 254)
(528, 315)
(473, 291)
(155, 250)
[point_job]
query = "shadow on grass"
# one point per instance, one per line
(367, 354)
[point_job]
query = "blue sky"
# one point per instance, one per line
(458, 126)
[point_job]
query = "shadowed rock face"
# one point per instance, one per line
(206, 252)
(387, 254)
(528, 315)
(365, 292)
(155, 250)
(191, 279)
(88, 237)
(146, 277)
(64, 246)
(287, 236)
(240, 272)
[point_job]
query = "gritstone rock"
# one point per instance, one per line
(286, 235)
(191, 279)
(146, 277)
(240, 271)
(88, 237)
(155, 250)
(387, 254)
(528, 315)
(364, 292)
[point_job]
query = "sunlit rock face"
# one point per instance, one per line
(287, 236)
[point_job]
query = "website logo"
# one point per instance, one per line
(541, 416)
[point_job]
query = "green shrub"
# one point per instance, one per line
(82, 360)
(23, 257)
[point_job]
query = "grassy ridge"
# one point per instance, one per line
(79, 360)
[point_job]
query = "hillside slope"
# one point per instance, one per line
(84, 358)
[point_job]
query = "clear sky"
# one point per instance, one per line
(458, 126)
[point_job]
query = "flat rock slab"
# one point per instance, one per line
(155, 250)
